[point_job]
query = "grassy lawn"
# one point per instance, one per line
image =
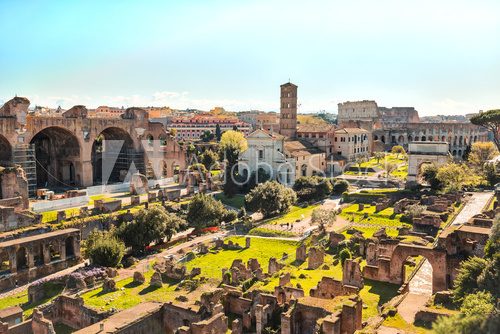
(398, 322)
(211, 264)
(131, 294)
(295, 213)
(21, 299)
(237, 201)
(368, 232)
(401, 172)
(386, 217)
(389, 158)
(359, 173)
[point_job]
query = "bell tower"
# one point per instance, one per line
(288, 110)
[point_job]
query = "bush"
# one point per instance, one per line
(204, 210)
(103, 249)
(340, 186)
(312, 188)
(270, 198)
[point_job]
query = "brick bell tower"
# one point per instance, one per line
(288, 110)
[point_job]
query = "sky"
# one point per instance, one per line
(441, 57)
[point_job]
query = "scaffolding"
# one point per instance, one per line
(24, 156)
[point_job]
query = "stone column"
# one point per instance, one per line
(76, 247)
(13, 260)
(30, 256)
(46, 254)
(62, 250)
(87, 174)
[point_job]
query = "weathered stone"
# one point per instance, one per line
(247, 242)
(109, 285)
(139, 277)
(315, 258)
(300, 253)
(156, 280)
(351, 274)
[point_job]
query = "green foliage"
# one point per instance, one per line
(398, 149)
(207, 136)
(312, 188)
(172, 224)
(148, 226)
(104, 249)
(218, 133)
(477, 316)
(270, 198)
(204, 210)
(323, 217)
(493, 243)
(466, 280)
(340, 186)
(491, 121)
(198, 167)
(454, 177)
(209, 159)
(344, 254)
(482, 152)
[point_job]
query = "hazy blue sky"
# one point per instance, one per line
(443, 57)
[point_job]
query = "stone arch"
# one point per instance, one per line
(375, 137)
(475, 139)
(115, 146)
(443, 138)
(5, 151)
(303, 170)
(459, 153)
(150, 139)
(21, 258)
(4, 263)
(410, 138)
(401, 139)
(58, 156)
(460, 140)
(454, 152)
(382, 139)
(437, 259)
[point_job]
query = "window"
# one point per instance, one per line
(261, 154)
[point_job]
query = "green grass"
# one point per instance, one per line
(266, 232)
(237, 201)
(21, 299)
(51, 216)
(385, 217)
(131, 295)
(401, 172)
(398, 322)
(361, 173)
(389, 158)
(295, 213)
(369, 231)
(262, 249)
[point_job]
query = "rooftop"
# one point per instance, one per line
(38, 237)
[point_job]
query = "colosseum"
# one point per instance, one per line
(402, 125)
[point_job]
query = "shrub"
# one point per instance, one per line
(103, 249)
(344, 255)
(312, 188)
(340, 186)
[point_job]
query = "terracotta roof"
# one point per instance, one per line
(351, 130)
(315, 128)
(299, 148)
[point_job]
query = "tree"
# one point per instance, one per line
(481, 152)
(429, 174)
(148, 226)
(207, 136)
(454, 177)
(489, 120)
(312, 188)
(232, 144)
(466, 280)
(270, 198)
(218, 133)
(172, 225)
(204, 210)
(103, 249)
(340, 186)
(209, 159)
(477, 316)
(199, 167)
(390, 167)
(323, 217)
(379, 155)
(398, 149)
